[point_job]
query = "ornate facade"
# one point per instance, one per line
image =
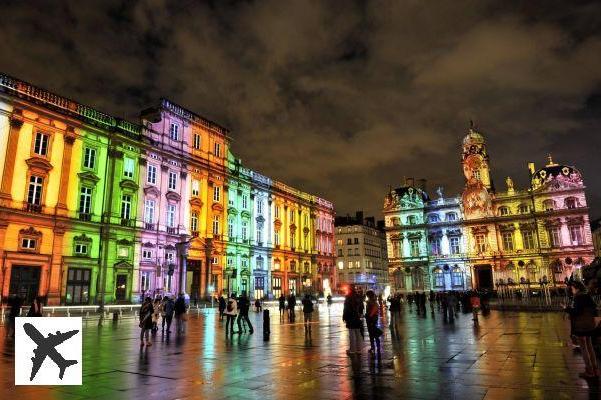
(97, 209)
(488, 238)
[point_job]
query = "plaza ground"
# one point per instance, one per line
(511, 355)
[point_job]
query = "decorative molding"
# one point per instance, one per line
(82, 238)
(152, 190)
(88, 177)
(31, 231)
(196, 202)
(39, 165)
(128, 184)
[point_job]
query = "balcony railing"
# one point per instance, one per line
(85, 216)
(34, 208)
(149, 226)
(128, 222)
(171, 230)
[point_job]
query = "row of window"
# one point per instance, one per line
(528, 241)
(174, 134)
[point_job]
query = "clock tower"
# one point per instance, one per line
(476, 195)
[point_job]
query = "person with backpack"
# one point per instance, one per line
(244, 308)
(231, 310)
(371, 320)
(37, 307)
(167, 310)
(221, 302)
(146, 312)
(307, 312)
(582, 316)
(351, 315)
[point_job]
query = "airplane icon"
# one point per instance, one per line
(46, 348)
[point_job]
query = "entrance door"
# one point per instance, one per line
(484, 277)
(121, 288)
(25, 282)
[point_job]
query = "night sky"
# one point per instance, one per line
(340, 99)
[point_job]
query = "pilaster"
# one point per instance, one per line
(9, 162)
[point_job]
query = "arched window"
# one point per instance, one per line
(411, 220)
(549, 205)
(438, 278)
(503, 210)
(523, 209)
(451, 216)
(457, 276)
(433, 218)
(571, 202)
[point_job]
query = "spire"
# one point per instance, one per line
(551, 163)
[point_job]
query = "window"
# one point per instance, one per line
(340, 264)
(435, 245)
(214, 261)
(244, 230)
(503, 210)
(571, 202)
(40, 146)
(433, 218)
(276, 238)
(576, 235)
(151, 174)
(291, 216)
(125, 206)
(260, 263)
(128, 167)
(454, 244)
(396, 221)
(174, 131)
(277, 212)
(339, 252)
(81, 249)
(149, 207)
(85, 200)
(438, 278)
(169, 257)
(146, 254)
(480, 243)
(548, 205)
(259, 207)
(78, 286)
(171, 215)
(339, 242)
(123, 251)
(217, 149)
(477, 174)
(356, 240)
(451, 216)
(194, 222)
(145, 280)
(396, 249)
(528, 240)
(215, 225)
(89, 158)
(172, 180)
(523, 209)
(217, 194)
(196, 141)
(195, 188)
(457, 277)
(411, 220)
(28, 243)
(507, 241)
(34, 194)
(349, 241)
(259, 235)
(414, 243)
(244, 201)
(349, 252)
(555, 237)
(230, 228)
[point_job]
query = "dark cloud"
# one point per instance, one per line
(338, 98)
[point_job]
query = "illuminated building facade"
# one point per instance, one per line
(487, 238)
(97, 209)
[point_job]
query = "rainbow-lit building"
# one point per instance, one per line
(489, 238)
(95, 209)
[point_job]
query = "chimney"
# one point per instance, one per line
(410, 182)
(531, 168)
(422, 184)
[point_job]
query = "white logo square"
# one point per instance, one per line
(48, 351)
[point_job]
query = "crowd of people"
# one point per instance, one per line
(162, 308)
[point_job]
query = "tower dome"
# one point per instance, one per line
(473, 136)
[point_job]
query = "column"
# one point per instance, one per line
(9, 162)
(182, 252)
(3, 226)
(54, 278)
(69, 138)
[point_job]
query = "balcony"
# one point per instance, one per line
(34, 208)
(130, 223)
(149, 226)
(85, 216)
(171, 230)
(195, 234)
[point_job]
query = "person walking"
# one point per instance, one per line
(167, 310)
(475, 303)
(221, 302)
(258, 306)
(37, 307)
(452, 306)
(156, 314)
(146, 312)
(371, 320)
(291, 306)
(582, 317)
(282, 304)
(180, 313)
(231, 310)
(432, 299)
(307, 313)
(14, 304)
(351, 315)
(395, 311)
(244, 308)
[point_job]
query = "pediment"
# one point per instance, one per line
(128, 184)
(88, 177)
(217, 207)
(196, 202)
(232, 211)
(39, 164)
(245, 214)
(152, 190)
(123, 265)
(171, 195)
(260, 219)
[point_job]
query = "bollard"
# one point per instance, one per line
(266, 325)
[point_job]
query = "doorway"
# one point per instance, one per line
(25, 282)
(121, 287)
(484, 277)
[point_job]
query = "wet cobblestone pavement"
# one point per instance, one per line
(509, 356)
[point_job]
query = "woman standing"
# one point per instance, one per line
(146, 312)
(351, 315)
(371, 319)
(582, 315)
(156, 313)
